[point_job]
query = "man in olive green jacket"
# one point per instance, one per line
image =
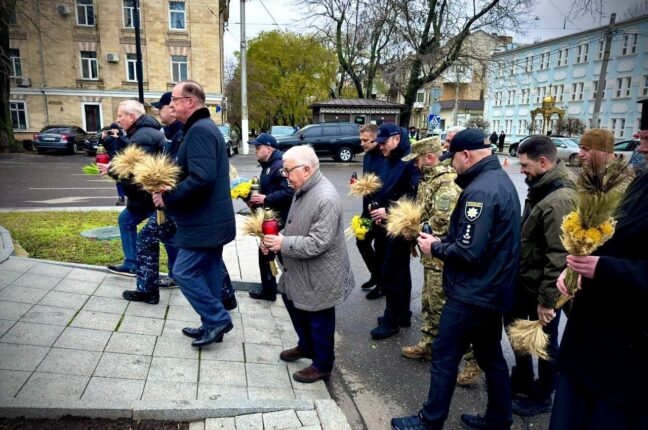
(551, 196)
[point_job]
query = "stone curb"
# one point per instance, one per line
(6, 244)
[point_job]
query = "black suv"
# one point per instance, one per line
(340, 140)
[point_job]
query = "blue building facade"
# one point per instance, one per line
(568, 69)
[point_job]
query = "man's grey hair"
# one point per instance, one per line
(133, 107)
(302, 154)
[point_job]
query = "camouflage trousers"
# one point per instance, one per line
(432, 301)
(148, 255)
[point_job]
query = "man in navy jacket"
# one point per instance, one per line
(202, 208)
(275, 194)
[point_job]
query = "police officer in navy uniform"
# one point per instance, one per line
(481, 257)
(275, 194)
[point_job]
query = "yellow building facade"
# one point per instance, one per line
(73, 61)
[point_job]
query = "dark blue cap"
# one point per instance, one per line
(265, 139)
(164, 100)
(387, 130)
(115, 125)
(466, 140)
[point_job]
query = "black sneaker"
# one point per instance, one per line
(121, 270)
(370, 283)
(375, 294)
(414, 422)
(477, 422)
(166, 282)
(530, 407)
(152, 297)
(121, 201)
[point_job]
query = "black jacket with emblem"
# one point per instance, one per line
(275, 187)
(543, 255)
(371, 163)
(481, 252)
(201, 204)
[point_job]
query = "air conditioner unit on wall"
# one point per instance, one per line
(23, 82)
(112, 57)
(63, 9)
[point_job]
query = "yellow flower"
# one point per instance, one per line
(242, 190)
(360, 226)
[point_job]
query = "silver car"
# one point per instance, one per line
(567, 149)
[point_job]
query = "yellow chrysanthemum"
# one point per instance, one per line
(242, 190)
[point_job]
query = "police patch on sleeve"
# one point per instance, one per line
(467, 234)
(473, 210)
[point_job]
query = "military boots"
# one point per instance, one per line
(420, 351)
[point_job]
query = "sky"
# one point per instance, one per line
(267, 15)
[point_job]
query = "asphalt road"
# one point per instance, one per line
(374, 382)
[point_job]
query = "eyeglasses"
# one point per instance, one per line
(175, 99)
(285, 172)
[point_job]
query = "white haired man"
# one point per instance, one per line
(316, 269)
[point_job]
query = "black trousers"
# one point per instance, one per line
(577, 408)
(460, 325)
(268, 281)
(372, 250)
(525, 306)
(396, 281)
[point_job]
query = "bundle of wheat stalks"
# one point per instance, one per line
(253, 224)
(404, 219)
(365, 186)
(124, 162)
(156, 173)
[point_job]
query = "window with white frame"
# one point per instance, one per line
(618, 127)
(600, 52)
(85, 13)
(89, 66)
(595, 88)
(496, 124)
(577, 91)
(557, 91)
(522, 126)
(563, 53)
(177, 15)
(420, 96)
(525, 96)
(18, 115)
(498, 98)
(582, 53)
(540, 93)
(511, 97)
(545, 57)
(178, 68)
(623, 87)
(537, 126)
(16, 62)
(629, 44)
(508, 126)
(128, 12)
(528, 63)
(500, 69)
(131, 67)
(598, 124)
(644, 88)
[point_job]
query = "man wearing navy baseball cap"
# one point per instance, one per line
(274, 194)
(480, 255)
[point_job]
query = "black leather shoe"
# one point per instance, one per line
(212, 335)
(194, 333)
(230, 303)
(152, 298)
(477, 422)
(374, 294)
(384, 331)
(121, 270)
(408, 323)
(530, 407)
(263, 296)
(370, 283)
(409, 423)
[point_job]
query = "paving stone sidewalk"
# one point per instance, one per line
(68, 339)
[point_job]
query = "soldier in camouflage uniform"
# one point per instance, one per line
(437, 195)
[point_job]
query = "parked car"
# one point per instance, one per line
(625, 148)
(67, 138)
(281, 130)
(340, 140)
(567, 149)
(231, 140)
(514, 146)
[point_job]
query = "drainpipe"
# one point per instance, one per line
(42, 61)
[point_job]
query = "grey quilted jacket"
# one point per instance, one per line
(316, 270)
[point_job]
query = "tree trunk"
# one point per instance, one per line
(413, 84)
(343, 62)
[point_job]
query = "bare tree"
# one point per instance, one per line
(7, 15)
(477, 122)
(570, 126)
(637, 9)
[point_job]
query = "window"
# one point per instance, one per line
(500, 69)
(178, 68)
(508, 126)
(16, 64)
(623, 87)
(128, 7)
(629, 44)
(85, 13)
(420, 96)
(582, 52)
(644, 89)
(544, 60)
(528, 63)
(18, 115)
(601, 50)
(496, 124)
(577, 91)
(176, 15)
(557, 92)
(522, 126)
(131, 67)
(498, 98)
(562, 56)
(618, 127)
(598, 123)
(525, 96)
(511, 97)
(89, 68)
(595, 88)
(540, 94)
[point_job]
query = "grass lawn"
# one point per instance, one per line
(57, 236)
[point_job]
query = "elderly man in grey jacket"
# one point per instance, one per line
(316, 270)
